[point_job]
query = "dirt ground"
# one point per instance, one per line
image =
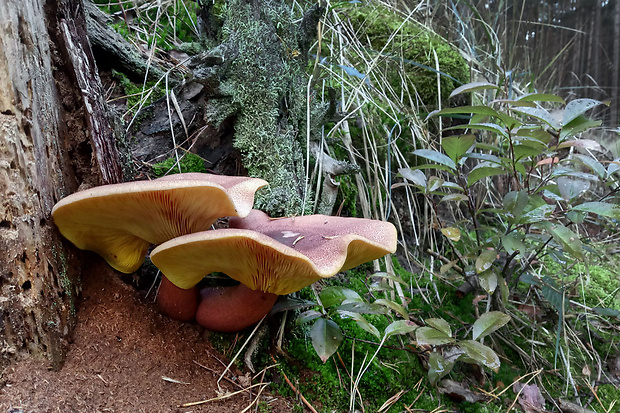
(125, 357)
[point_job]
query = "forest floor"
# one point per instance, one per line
(126, 357)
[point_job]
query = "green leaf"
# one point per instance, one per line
(440, 324)
(569, 241)
(607, 312)
(385, 275)
(528, 149)
(588, 144)
(541, 97)
(397, 308)
(515, 201)
(307, 316)
(435, 156)
(600, 208)
(488, 323)
(503, 289)
(479, 110)
(451, 233)
(472, 87)
(361, 307)
(578, 125)
(536, 215)
(485, 157)
(432, 337)
(362, 323)
(457, 146)
(485, 260)
(331, 296)
(415, 176)
(571, 188)
(481, 171)
(434, 183)
(578, 107)
(400, 327)
(491, 127)
(513, 242)
(488, 280)
(592, 163)
(454, 197)
(326, 337)
(554, 294)
(438, 367)
(540, 114)
(480, 354)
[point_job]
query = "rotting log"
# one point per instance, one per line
(54, 137)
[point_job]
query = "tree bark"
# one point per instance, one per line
(54, 137)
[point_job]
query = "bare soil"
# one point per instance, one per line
(124, 357)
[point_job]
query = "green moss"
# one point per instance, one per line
(414, 49)
(608, 393)
(134, 94)
(189, 162)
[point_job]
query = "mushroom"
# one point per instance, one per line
(121, 221)
(269, 257)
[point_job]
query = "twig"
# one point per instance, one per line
(226, 396)
(296, 391)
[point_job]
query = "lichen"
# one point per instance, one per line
(267, 83)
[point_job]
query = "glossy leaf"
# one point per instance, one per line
(581, 143)
(488, 323)
(571, 188)
(488, 281)
(326, 337)
(515, 201)
(503, 289)
(307, 316)
(540, 114)
(600, 208)
(457, 146)
(434, 183)
(362, 323)
(473, 87)
(485, 260)
(537, 214)
(397, 308)
(592, 163)
(491, 127)
(483, 171)
(481, 354)
(554, 294)
(400, 327)
(432, 337)
(438, 367)
(578, 125)
(435, 156)
(513, 242)
(451, 233)
(331, 296)
(569, 240)
(415, 176)
(440, 324)
(578, 107)
(454, 197)
(541, 97)
(361, 307)
(477, 110)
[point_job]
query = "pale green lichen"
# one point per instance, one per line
(267, 83)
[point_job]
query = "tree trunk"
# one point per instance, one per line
(54, 137)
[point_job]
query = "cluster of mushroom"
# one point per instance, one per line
(269, 257)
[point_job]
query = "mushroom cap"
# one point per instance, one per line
(121, 221)
(278, 256)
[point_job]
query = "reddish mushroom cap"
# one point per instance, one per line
(277, 256)
(121, 221)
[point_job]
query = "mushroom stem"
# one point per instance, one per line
(228, 309)
(176, 302)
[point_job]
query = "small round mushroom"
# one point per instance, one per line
(269, 256)
(121, 221)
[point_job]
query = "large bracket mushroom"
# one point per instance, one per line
(121, 221)
(269, 257)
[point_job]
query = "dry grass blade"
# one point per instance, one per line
(224, 396)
